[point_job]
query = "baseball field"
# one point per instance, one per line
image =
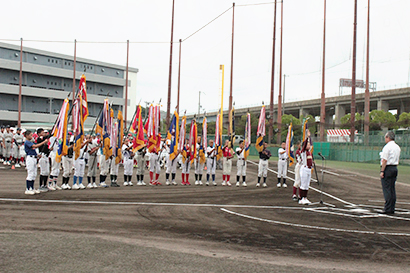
(206, 229)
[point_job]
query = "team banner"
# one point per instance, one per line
(78, 124)
(218, 137)
(247, 135)
(193, 136)
(289, 145)
(261, 130)
(138, 129)
(173, 134)
(204, 141)
(182, 133)
(232, 127)
(61, 131)
(83, 95)
(120, 137)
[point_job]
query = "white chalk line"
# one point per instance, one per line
(315, 227)
(382, 201)
(317, 190)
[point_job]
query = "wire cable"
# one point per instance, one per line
(206, 24)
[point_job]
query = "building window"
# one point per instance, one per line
(48, 60)
(48, 82)
(65, 63)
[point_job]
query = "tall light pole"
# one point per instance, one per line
(322, 99)
(283, 101)
(278, 140)
(272, 79)
(367, 94)
(170, 66)
(353, 96)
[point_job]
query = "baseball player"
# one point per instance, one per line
(282, 165)
(44, 162)
(31, 161)
(296, 185)
(305, 172)
(241, 164)
(79, 166)
(1, 144)
(171, 166)
(114, 172)
(227, 164)
(104, 169)
(154, 167)
(67, 162)
(199, 162)
(8, 140)
(55, 166)
(128, 157)
(264, 156)
(186, 164)
(210, 162)
(140, 157)
(18, 139)
(92, 149)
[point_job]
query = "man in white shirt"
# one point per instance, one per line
(241, 164)
(389, 160)
(282, 165)
(210, 162)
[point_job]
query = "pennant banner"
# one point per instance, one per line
(261, 130)
(289, 145)
(173, 136)
(247, 135)
(61, 131)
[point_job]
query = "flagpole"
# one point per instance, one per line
(20, 81)
(179, 76)
(367, 94)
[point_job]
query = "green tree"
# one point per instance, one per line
(379, 119)
(297, 126)
(345, 121)
(404, 120)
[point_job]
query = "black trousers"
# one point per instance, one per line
(389, 189)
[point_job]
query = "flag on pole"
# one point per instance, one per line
(232, 127)
(138, 129)
(289, 145)
(247, 135)
(120, 137)
(152, 128)
(261, 130)
(193, 136)
(173, 134)
(218, 137)
(204, 141)
(305, 130)
(103, 128)
(78, 125)
(60, 131)
(83, 95)
(182, 133)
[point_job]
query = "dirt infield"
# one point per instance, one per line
(204, 229)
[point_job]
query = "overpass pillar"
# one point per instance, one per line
(328, 121)
(340, 111)
(382, 105)
(303, 112)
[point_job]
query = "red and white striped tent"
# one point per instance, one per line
(338, 135)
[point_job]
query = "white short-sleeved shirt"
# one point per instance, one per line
(8, 137)
(208, 150)
(391, 153)
(242, 154)
(284, 155)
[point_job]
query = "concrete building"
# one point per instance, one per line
(48, 79)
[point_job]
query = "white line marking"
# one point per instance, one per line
(382, 201)
(314, 227)
(146, 203)
(319, 191)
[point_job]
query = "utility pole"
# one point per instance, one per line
(179, 75)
